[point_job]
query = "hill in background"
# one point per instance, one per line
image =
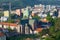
(24, 3)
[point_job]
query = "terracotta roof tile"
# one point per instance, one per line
(39, 29)
(8, 24)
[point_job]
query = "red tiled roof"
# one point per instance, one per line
(44, 20)
(39, 29)
(9, 24)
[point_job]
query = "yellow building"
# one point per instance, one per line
(6, 13)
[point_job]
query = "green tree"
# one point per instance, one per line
(49, 18)
(49, 38)
(54, 31)
(1, 14)
(36, 17)
(57, 24)
(10, 21)
(9, 29)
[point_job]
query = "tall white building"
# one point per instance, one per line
(59, 14)
(26, 29)
(48, 7)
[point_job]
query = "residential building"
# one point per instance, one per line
(38, 8)
(53, 7)
(13, 26)
(21, 29)
(30, 17)
(22, 10)
(6, 13)
(48, 8)
(3, 19)
(44, 20)
(44, 23)
(27, 29)
(32, 14)
(51, 13)
(25, 13)
(23, 22)
(36, 31)
(44, 15)
(32, 27)
(59, 13)
(13, 12)
(31, 22)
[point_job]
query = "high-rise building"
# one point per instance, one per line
(31, 22)
(23, 29)
(26, 13)
(27, 30)
(59, 13)
(38, 8)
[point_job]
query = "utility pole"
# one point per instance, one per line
(9, 8)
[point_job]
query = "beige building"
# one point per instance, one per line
(6, 13)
